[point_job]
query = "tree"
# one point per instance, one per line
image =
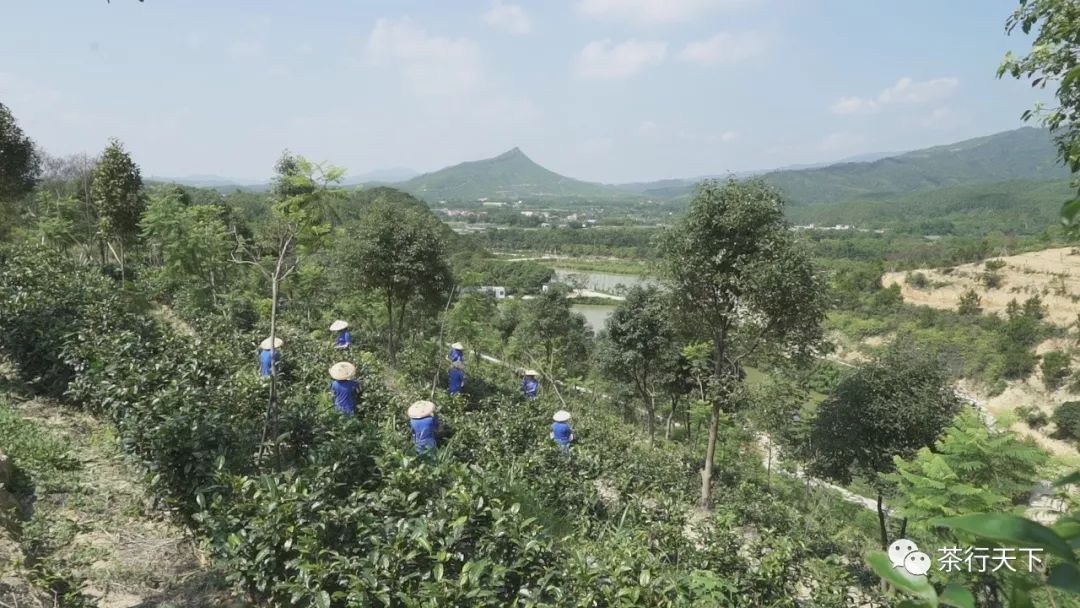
(551, 336)
(190, 242)
(467, 320)
(640, 346)
(1067, 419)
(739, 277)
(1054, 60)
(970, 470)
(398, 251)
(1055, 369)
(118, 200)
(20, 163)
(298, 225)
(970, 304)
(892, 407)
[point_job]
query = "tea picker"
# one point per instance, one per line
(457, 353)
(561, 431)
(530, 386)
(269, 355)
(424, 425)
(344, 338)
(344, 388)
(456, 378)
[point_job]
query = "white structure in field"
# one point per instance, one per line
(495, 291)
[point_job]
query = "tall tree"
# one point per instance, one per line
(397, 250)
(551, 336)
(298, 225)
(640, 347)
(739, 277)
(1054, 60)
(20, 163)
(118, 199)
(891, 407)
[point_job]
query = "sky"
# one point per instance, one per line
(603, 90)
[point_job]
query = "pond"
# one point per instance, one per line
(596, 315)
(604, 282)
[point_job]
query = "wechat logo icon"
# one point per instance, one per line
(905, 554)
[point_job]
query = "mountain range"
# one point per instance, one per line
(1021, 154)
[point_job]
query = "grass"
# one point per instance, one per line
(39, 458)
(627, 267)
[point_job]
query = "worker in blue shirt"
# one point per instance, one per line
(457, 378)
(530, 385)
(424, 425)
(561, 431)
(344, 388)
(269, 356)
(344, 338)
(457, 353)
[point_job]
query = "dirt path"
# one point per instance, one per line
(91, 522)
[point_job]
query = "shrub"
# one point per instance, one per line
(1055, 368)
(991, 280)
(1033, 416)
(1067, 419)
(917, 280)
(970, 304)
(994, 265)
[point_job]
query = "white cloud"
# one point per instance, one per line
(647, 127)
(905, 91)
(246, 49)
(430, 64)
(841, 142)
(730, 136)
(602, 59)
(648, 12)
(725, 48)
(510, 18)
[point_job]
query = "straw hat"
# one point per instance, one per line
(338, 325)
(342, 370)
(458, 346)
(531, 372)
(265, 344)
(561, 416)
(421, 409)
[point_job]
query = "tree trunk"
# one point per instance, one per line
(881, 522)
(669, 424)
(652, 420)
(270, 421)
(390, 329)
(710, 453)
(123, 275)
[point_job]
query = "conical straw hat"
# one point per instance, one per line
(458, 346)
(561, 416)
(531, 372)
(338, 325)
(265, 344)
(342, 370)
(421, 409)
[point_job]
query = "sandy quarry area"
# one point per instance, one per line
(1053, 274)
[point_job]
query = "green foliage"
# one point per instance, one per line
(1033, 416)
(1067, 419)
(892, 407)
(524, 277)
(20, 164)
(551, 337)
(1053, 60)
(970, 470)
(398, 252)
(1055, 369)
(117, 194)
(917, 280)
(994, 265)
(969, 304)
(38, 458)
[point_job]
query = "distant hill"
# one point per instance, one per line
(1022, 154)
(1017, 207)
(510, 175)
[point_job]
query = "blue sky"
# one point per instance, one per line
(605, 90)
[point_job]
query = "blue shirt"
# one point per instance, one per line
(344, 338)
(456, 355)
(424, 433)
(264, 361)
(562, 432)
(457, 380)
(530, 386)
(345, 393)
